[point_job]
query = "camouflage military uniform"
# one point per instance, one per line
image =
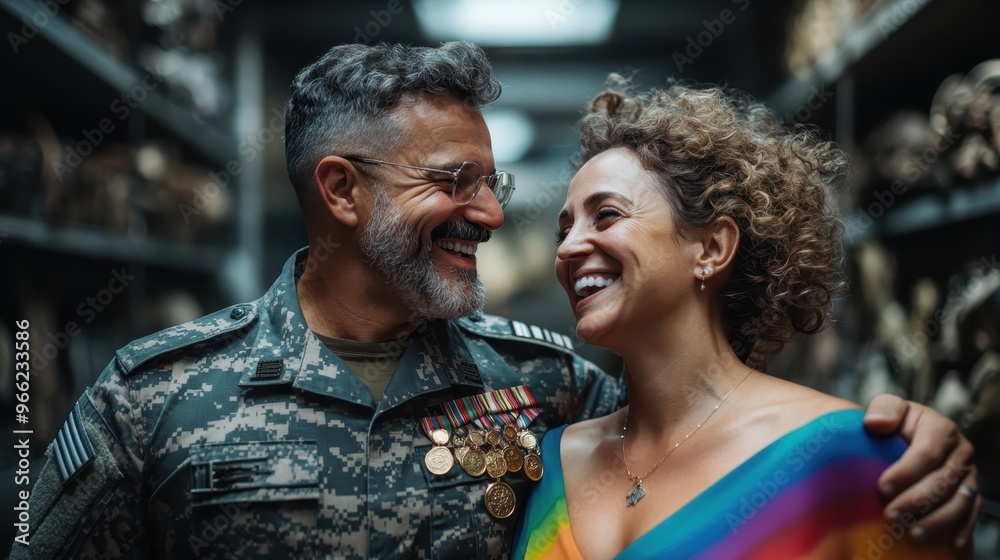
(240, 435)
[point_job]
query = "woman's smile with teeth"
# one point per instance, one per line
(591, 284)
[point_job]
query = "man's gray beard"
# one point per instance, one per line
(394, 247)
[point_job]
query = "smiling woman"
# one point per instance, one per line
(695, 240)
(715, 153)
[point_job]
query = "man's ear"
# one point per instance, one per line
(719, 243)
(339, 183)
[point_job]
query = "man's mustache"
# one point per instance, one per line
(461, 230)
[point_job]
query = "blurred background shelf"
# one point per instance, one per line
(856, 44)
(89, 243)
(78, 70)
(120, 164)
(922, 212)
(104, 66)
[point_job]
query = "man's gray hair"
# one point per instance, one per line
(341, 103)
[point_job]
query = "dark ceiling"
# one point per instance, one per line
(553, 84)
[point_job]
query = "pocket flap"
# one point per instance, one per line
(259, 471)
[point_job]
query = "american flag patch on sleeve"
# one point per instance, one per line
(72, 449)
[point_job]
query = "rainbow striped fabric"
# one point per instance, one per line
(810, 494)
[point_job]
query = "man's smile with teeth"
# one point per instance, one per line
(456, 247)
(593, 283)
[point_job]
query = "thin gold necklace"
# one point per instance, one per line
(638, 492)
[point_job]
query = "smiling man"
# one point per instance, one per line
(363, 407)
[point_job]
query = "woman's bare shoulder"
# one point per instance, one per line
(781, 406)
(581, 439)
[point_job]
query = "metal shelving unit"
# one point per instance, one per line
(219, 145)
(69, 80)
(930, 232)
(925, 212)
(919, 211)
(859, 41)
(234, 266)
(99, 245)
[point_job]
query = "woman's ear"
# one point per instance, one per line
(719, 243)
(337, 182)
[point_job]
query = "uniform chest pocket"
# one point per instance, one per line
(259, 471)
(257, 499)
(461, 525)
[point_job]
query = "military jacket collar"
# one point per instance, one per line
(286, 353)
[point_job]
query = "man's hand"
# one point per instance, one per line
(932, 488)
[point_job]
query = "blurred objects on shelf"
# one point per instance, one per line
(943, 349)
(20, 172)
(943, 103)
(190, 24)
(866, 7)
(953, 396)
(105, 22)
(965, 113)
(875, 283)
(900, 155)
(971, 336)
(886, 362)
(822, 352)
(957, 144)
(181, 202)
(980, 421)
(170, 308)
(970, 316)
(185, 54)
(111, 187)
(96, 192)
(817, 27)
(194, 80)
(925, 300)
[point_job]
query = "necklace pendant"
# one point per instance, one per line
(636, 493)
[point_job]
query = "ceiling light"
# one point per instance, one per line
(512, 133)
(514, 23)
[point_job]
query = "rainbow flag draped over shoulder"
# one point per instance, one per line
(809, 495)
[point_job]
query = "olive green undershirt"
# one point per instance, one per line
(372, 362)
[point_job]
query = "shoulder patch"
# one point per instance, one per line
(200, 330)
(493, 326)
(71, 448)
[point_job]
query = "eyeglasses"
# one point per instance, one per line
(465, 182)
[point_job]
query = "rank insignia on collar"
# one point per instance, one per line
(268, 370)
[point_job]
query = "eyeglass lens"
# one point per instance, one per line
(502, 185)
(467, 182)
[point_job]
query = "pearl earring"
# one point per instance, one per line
(704, 273)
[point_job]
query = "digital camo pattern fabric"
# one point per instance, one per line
(240, 435)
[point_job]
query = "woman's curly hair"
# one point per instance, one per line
(717, 153)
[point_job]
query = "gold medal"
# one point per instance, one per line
(527, 440)
(509, 433)
(460, 454)
(440, 436)
(513, 457)
(500, 500)
(493, 437)
(477, 437)
(439, 460)
(533, 467)
(458, 440)
(474, 462)
(496, 466)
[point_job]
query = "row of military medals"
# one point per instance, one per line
(494, 452)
